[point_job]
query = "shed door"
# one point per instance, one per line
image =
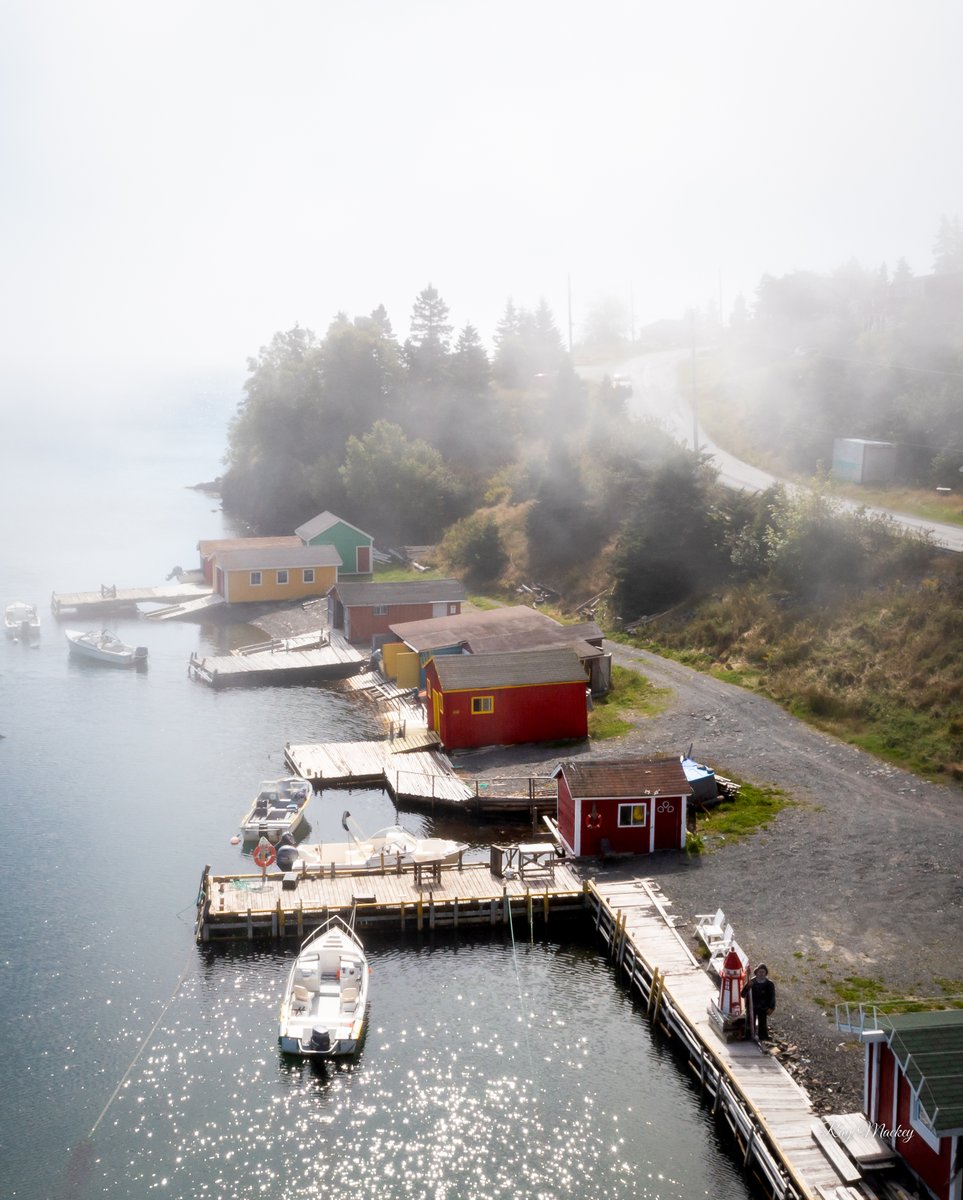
(364, 560)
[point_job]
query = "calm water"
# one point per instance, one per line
(491, 1067)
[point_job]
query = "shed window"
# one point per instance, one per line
(453, 610)
(632, 814)
(255, 579)
(282, 576)
(379, 610)
(482, 704)
(308, 575)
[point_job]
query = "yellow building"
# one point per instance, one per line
(268, 574)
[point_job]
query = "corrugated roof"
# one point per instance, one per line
(929, 1049)
(624, 778)
(322, 522)
(515, 627)
(460, 672)
(214, 545)
(413, 591)
(278, 556)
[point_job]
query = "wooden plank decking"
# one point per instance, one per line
(278, 663)
(114, 599)
(247, 906)
(770, 1114)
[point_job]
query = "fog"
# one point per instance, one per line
(181, 180)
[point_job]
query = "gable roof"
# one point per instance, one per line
(624, 778)
(516, 627)
(211, 546)
(323, 522)
(929, 1049)
(461, 672)
(278, 556)
(413, 591)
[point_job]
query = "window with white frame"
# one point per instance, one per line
(308, 574)
(379, 610)
(453, 610)
(255, 579)
(632, 815)
(282, 576)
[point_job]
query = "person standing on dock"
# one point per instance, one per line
(761, 992)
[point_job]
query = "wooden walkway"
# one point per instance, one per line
(278, 663)
(247, 906)
(770, 1115)
(117, 599)
(424, 778)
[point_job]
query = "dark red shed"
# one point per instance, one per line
(503, 699)
(633, 806)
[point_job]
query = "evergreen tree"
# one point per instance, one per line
(948, 247)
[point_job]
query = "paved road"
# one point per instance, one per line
(656, 393)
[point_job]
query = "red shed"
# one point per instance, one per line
(366, 610)
(914, 1093)
(503, 699)
(622, 806)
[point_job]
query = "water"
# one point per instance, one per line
(490, 1067)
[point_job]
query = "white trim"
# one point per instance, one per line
(287, 577)
(305, 572)
(652, 825)
(255, 583)
(929, 1136)
(578, 826)
(892, 1115)
(956, 1181)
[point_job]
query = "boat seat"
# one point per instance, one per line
(302, 997)
(349, 997)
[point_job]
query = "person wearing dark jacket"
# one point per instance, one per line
(761, 992)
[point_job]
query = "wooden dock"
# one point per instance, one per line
(113, 599)
(293, 660)
(423, 778)
(249, 906)
(787, 1146)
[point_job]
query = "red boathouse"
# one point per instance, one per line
(622, 806)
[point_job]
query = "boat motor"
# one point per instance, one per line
(320, 1040)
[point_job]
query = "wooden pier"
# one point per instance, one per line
(112, 599)
(249, 906)
(423, 778)
(292, 660)
(786, 1145)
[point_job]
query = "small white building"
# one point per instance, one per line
(856, 460)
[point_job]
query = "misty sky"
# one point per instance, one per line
(180, 180)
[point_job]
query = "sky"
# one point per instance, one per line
(180, 180)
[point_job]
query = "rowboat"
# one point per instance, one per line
(323, 1009)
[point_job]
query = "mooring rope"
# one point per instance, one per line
(144, 1043)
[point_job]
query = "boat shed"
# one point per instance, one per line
(503, 630)
(211, 547)
(270, 574)
(621, 806)
(364, 612)
(354, 546)
(506, 699)
(914, 1093)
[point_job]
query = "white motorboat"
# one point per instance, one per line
(277, 809)
(323, 1009)
(389, 847)
(20, 621)
(105, 647)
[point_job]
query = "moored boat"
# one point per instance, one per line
(323, 1008)
(105, 647)
(277, 809)
(388, 847)
(21, 621)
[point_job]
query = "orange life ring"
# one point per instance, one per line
(264, 854)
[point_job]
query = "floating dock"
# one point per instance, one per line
(112, 599)
(249, 906)
(420, 778)
(305, 659)
(788, 1147)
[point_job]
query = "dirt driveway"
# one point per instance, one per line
(861, 877)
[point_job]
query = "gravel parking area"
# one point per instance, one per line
(860, 877)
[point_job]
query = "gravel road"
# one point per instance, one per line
(860, 876)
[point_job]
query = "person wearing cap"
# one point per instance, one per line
(761, 992)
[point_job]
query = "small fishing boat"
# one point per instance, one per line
(20, 621)
(386, 848)
(278, 808)
(323, 1009)
(105, 647)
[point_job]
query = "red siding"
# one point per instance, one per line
(565, 815)
(932, 1166)
(361, 624)
(535, 713)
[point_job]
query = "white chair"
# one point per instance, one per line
(710, 927)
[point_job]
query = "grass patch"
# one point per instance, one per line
(752, 810)
(401, 574)
(632, 696)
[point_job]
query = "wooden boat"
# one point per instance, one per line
(105, 647)
(20, 621)
(387, 848)
(278, 808)
(323, 1009)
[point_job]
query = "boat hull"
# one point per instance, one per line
(112, 653)
(325, 999)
